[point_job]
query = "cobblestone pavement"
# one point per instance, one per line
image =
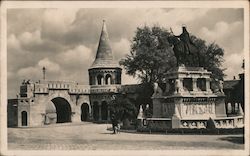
(89, 136)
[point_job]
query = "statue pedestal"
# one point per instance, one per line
(176, 122)
(188, 100)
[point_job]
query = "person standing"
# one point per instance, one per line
(114, 123)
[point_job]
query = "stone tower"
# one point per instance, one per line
(104, 78)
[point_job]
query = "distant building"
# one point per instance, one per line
(234, 91)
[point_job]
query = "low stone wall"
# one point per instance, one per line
(158, 123)
(161, 124)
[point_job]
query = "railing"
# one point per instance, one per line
(72, 87)
(105, 88)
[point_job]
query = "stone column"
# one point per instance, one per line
(108, 115)
(195, 84)
(181, 85)
(208, 89)
(100, 113)
(96, 80)
(113, 78)
(90, 115)
(103, 80)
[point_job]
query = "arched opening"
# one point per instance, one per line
(24, 118)
(104, 108)
(96, 111)
(63, 110)
(188, 84)
(201, 84)
(99, 79)
(108, 79)
(84, 112)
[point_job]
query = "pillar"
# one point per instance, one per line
(108, 118)
(181, 85)
(100, 113)
(113, 78)
(96, 80)
(195, 84)
(103, 80)
(208, 88)
(90, 115)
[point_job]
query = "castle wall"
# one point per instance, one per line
(12, 112)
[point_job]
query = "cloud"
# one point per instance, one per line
(13, 43)
(49, 65)
(56, 23)
(24, 20)
(27, 38)
(36, 71)
(224, 33)
(80, 55)
(233, 63)
(229, 36)
(121, 48)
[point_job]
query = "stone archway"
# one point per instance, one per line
(24, 118)
(84, 112)
(63, 110)
(104, 111)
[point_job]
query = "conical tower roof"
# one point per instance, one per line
(104, 56)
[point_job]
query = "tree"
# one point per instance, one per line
(211, 57)
(123, 108)
(151, 55)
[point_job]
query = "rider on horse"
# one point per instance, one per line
(186, 43)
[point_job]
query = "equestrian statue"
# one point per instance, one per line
(184, 49)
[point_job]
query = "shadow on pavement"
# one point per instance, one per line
(107, 133)
(234, 139)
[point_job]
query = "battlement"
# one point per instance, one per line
(29, 88)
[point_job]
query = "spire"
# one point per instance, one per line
(104, 55)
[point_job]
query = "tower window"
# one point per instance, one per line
(108, 79)
(99, 79)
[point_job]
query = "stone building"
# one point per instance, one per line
(104, 78)
(48, 102)
(234, 91)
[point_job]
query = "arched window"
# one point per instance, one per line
(108, 79)
(99, 79)
(24, 118)
(84, 112)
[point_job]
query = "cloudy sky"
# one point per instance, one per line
(65, 40)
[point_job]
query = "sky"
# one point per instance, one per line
(65, 40)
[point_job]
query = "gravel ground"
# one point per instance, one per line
(89, 136)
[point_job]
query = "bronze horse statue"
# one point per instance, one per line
(184, 49)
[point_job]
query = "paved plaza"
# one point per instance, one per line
(89, 136)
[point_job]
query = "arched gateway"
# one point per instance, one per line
(84, 112)
(63, 110)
